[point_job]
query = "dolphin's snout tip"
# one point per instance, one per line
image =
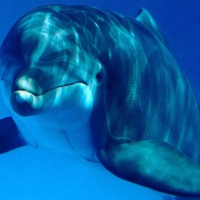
(23, 103)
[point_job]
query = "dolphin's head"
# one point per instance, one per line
(47, 78)
(43, 66)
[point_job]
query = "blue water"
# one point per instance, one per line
(180, 23)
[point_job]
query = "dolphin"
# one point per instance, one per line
(103, 85)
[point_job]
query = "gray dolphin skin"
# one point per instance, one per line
(111, 81)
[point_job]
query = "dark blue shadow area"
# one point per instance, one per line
(9, 136)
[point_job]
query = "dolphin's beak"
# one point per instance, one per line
(36, 89)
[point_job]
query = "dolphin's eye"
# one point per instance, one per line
(100, 76)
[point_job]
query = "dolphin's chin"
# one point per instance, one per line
(26, 103)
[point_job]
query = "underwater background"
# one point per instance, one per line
(179, 21)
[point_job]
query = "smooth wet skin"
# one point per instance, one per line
(79, 80)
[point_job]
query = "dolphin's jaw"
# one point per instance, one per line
(38, 91)
(26, 103)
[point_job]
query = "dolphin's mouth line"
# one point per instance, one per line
(51, 89)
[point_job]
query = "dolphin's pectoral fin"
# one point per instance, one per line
(9, 136)
(153, 164)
